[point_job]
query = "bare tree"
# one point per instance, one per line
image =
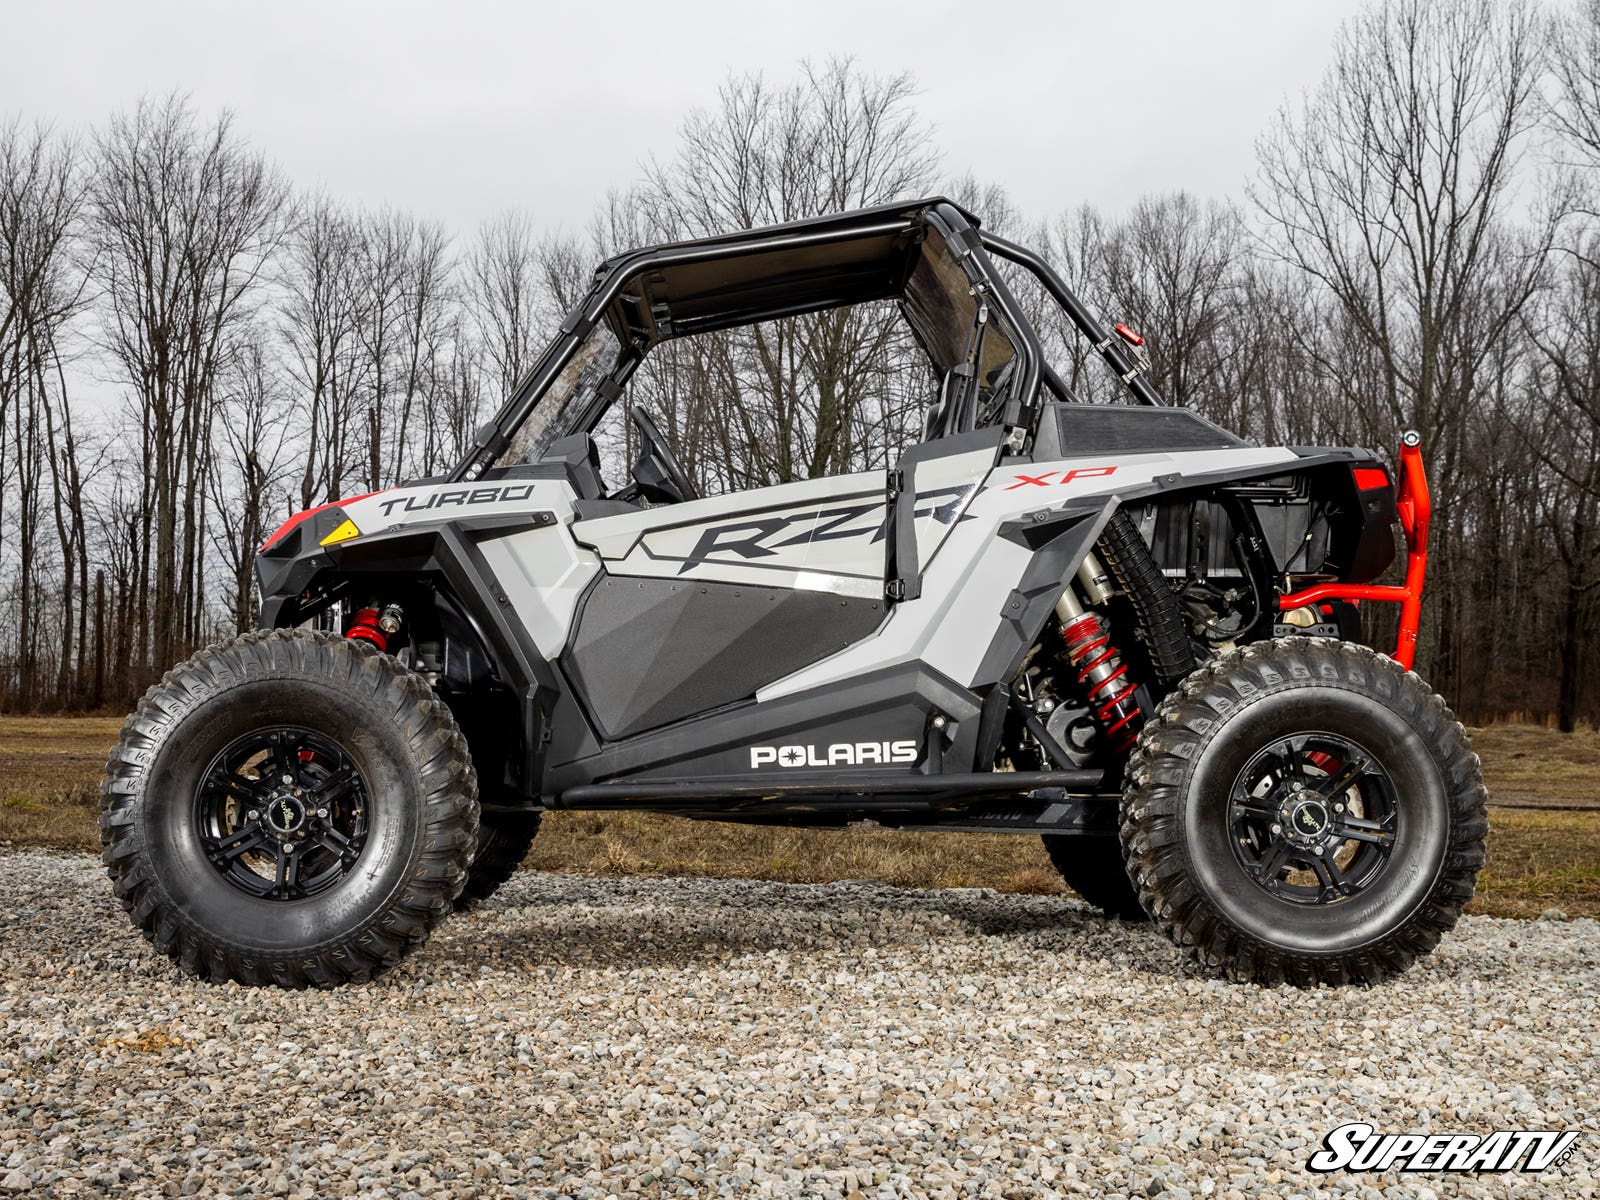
(1172, 271)
(41, 291)
(318, 317)
(1391, 189)
(184, 221)
(805, 396)
(250, 434)
(1574, 111)
(510, 301)
(1564, 434)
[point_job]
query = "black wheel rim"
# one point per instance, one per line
(1313, 819)
(282, 813)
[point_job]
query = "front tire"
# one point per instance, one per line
(1304, 810)
(1093, 867)
(288, 808)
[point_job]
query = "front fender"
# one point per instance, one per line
(300, 577)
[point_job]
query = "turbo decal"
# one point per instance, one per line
(460, 497)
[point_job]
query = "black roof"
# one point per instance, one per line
(682, 288)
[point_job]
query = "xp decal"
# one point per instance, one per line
(1043, 479)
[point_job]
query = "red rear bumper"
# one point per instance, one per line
(1415, 508)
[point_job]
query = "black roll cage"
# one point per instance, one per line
(900, 225)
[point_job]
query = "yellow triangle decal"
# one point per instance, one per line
(342, 534)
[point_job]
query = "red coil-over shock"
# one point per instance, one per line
(1101, 672)
(375, 625)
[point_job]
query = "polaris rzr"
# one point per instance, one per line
(1116, 626)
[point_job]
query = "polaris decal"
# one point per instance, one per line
(766, 536)
(838, 754)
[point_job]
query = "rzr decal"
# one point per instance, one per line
(763, 537)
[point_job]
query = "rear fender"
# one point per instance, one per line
(1059, 537)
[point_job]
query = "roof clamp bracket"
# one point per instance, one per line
(578, 324)
(661, 314)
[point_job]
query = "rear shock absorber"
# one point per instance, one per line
(1101, 672)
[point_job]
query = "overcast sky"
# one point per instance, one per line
(457, 111)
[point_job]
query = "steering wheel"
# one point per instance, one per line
(657, 474)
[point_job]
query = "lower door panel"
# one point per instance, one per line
(646, 651)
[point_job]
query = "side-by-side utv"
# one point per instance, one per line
(1115, 626)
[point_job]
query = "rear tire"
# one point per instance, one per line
(1304, 810)
(1093, 867)
(288, 808)
(503, 842)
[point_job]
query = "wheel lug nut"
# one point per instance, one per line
(1277, 829)
(288, 778)
(1338, 808)
(252, 815)
(1317, 850)
(322, 812)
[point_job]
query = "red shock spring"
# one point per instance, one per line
(364, 627)
(1104, 677)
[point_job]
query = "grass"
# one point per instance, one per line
(50, 779)
(1538, 859)
(1527, 762)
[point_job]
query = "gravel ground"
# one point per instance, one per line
(584, 1037)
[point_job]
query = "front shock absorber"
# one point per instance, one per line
(376, 626)
(1101, 672)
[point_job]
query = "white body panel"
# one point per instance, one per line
(966, 585)
(817, 534)
(425, 504)
(544, 573)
